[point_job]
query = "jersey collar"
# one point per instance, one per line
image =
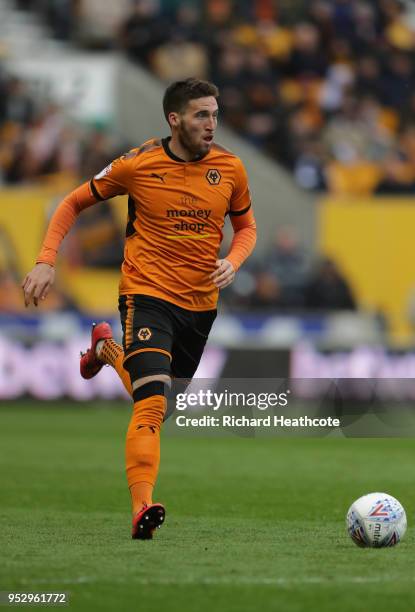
(169, 153)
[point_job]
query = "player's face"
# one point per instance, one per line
(197, 124)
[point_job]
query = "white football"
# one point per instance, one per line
(376, 520)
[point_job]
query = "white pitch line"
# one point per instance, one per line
(224, 580)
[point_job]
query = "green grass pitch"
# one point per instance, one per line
(251, 523)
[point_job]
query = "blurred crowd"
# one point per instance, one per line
(37, 139)
(326, 87)
(283, 279)
(40, 144)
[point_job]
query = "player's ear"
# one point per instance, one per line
(173, 119)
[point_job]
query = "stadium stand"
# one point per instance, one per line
(322, 87)
(327, 90)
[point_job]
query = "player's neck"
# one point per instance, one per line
(179, 151)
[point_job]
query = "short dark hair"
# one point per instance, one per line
(178, 94)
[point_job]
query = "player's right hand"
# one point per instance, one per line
(37, 283)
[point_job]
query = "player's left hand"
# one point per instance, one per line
(224, 274)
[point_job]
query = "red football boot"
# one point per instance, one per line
(90, 365)
(147, 520)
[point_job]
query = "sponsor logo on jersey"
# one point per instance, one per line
(193, 221)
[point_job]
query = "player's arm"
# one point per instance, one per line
(243, 243)
(112, 181)
(39, 280)
(243, 223)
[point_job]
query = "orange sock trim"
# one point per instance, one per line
(142, 449)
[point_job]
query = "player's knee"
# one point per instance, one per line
(178, 385)
(147, 386)
(150, 380)
(149, 404)
(149, 373)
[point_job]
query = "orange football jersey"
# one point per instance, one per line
(176, 212)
